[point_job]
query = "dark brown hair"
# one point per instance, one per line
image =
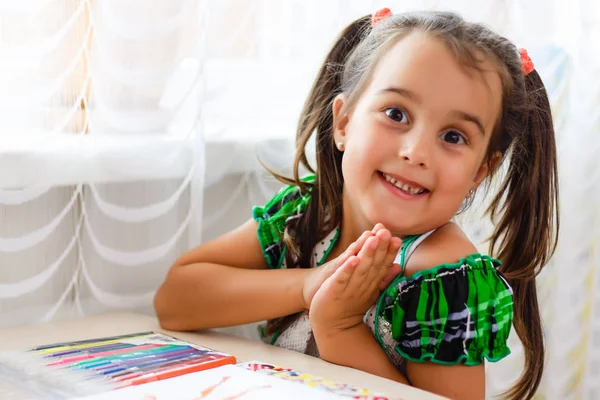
(525, 208)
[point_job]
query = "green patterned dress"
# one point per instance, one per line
(449, 314)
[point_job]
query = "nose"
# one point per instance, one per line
(415, 148)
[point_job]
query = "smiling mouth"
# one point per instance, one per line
(412, 188)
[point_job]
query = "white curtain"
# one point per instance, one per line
(130, 132)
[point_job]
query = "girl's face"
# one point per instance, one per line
(416, 140)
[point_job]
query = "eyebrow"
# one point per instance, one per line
(471, 118)
(402, 92)
(455, 113)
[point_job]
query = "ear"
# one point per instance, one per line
(487, 168)
(340, 121)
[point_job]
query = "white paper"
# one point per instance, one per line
(224, 383)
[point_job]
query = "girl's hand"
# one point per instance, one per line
(343, 299)
(318, 275)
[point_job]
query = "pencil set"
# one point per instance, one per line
(86, 367)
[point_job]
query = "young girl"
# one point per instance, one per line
(360, 263)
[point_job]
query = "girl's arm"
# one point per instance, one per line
(342, 337)
(356, 348)
(225, 282)
(339, 305)
(459, 382)
(455, 381)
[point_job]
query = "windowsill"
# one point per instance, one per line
(66, 159)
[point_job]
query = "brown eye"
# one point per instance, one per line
(454, 137)
(397, 115)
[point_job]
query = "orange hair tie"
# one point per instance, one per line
(379, 15)
(526, 62)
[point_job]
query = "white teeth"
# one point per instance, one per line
(402, 186)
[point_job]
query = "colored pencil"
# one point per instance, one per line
(95, 365)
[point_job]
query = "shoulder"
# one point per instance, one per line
(287, 204)
(451, 306)
(447, 245)
(289, 200)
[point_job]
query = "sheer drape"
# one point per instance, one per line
(130, 131)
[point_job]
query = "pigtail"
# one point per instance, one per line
(324, 211)
(526, 233)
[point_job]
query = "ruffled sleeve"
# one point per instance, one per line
(288, 203)
(450, 314)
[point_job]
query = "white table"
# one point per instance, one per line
(243, 349)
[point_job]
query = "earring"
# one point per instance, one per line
(471, 193)
(340, 146)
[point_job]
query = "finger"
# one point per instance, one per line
(394, 246)
(392, 251)
(355, 247)
(379, 226)
(382, 251)
(360, 242)
(352, 250)
(366, 255)
(393, 272)
(381, 271)
(338, 282)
